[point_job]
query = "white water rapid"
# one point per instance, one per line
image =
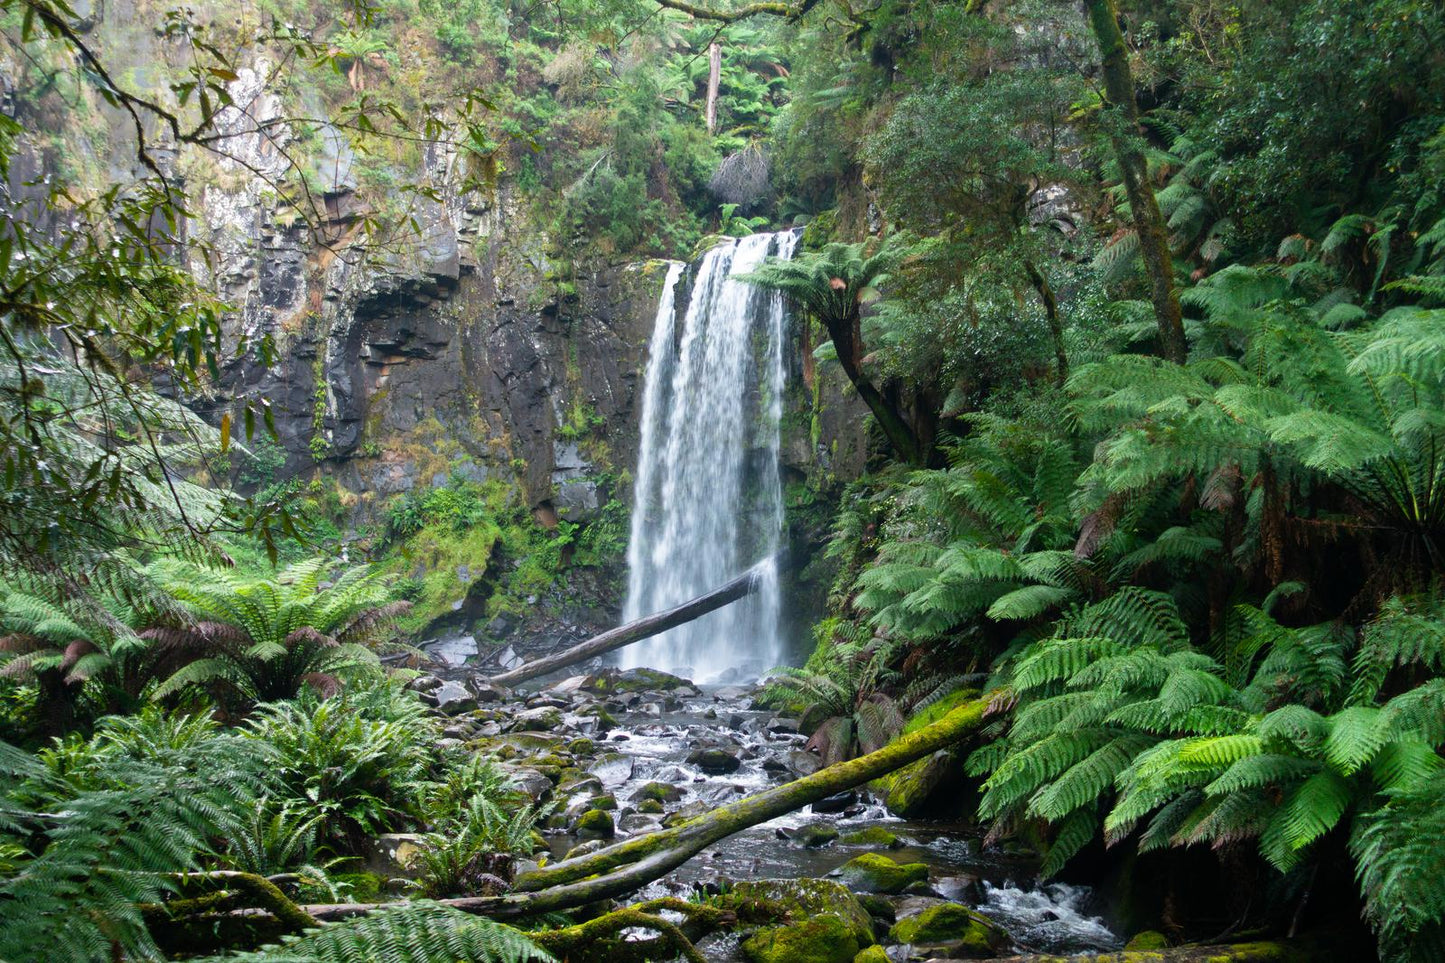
(708, 499)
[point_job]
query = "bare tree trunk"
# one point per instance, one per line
(714, 77)
(627, 866)
(640, 629)
(847, 338)
(1127, 138)
(1051, 312)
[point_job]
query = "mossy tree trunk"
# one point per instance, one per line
(1128, 140)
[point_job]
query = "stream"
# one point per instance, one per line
(658, 736)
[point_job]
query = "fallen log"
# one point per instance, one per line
(627, 866)
(639, 629)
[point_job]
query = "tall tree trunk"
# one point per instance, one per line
(1051, 312)
(848, 342)
(1127, 138)
(714, 77)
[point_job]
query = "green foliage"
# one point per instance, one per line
(356, 763)
(252, 640)
(104, 826)
(419, 933)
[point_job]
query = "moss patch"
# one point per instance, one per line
(873, 873)
(954, 924)
(822, 939)
(874, 836)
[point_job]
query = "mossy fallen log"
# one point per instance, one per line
(627, 866)
(639, 629)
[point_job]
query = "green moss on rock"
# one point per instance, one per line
(874, 836)
(804, 899)
(874, 873)
(815, 835)
(607, 802)
(1148, 940)
(822, 939)
(952, 924)
(872, 954)
(650, 806)
(596, 823)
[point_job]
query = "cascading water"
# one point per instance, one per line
(708, 500)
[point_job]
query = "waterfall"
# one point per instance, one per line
(708, 494)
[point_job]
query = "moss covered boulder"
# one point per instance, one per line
(872, 954)
(595, 824)
(874, 873)
(815, 835)
(1147, 940)
(875, 836)
(805, 899)
(822, 939)
(954, 926)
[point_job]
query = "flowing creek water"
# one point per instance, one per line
(657, 732)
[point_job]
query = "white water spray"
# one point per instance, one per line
(708, 500)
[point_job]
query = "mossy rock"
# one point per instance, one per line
(815, 835)
(596, 824)
(607, 802)
(650, 806)
(874, 873)
(582, 747)
(878, 907)
(611, 681)
(822, 939)
(606, 721)
(874, 836)
(804, 899)
(955, 925)
(660, 791)
(872, 954)
(1147, 940)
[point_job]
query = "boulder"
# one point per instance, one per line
(660, 791)
(1147, 940)
(714, 761)
(872, 954)
(873, 873)
(807, 899)
(821, 939)
(815, 835)
(452, 698)
(966, 934)
(540, 719)
(614, 769)
(875, 836)
(836, 803)
(595, 824)
(393, 854)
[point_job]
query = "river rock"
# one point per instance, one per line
(875, 836)
(540, 719)
(393, 854)
(595, 824)
(803, 763)
(874, 873)
(532, 783)
(821, 939)
(807, 899)
(953, 927)
(452, 698)
(660, 791)
(569, 685)
(614, 769)
(714, 761)
(816, 835)
(638, 822)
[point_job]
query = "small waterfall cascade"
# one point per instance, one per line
(708, 493)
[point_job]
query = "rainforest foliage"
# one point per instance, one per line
(1144, 298)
